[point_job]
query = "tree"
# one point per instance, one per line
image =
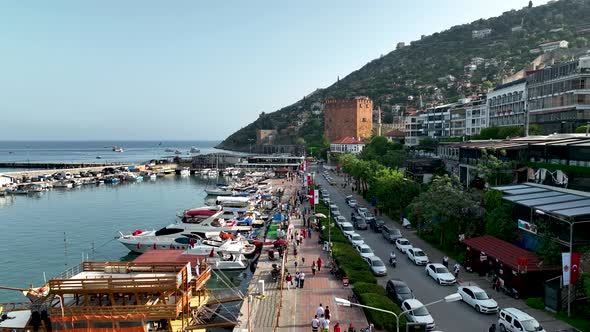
(495, 170)
(582, 129)
(499, 222)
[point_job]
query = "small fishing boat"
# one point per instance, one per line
(118, 149)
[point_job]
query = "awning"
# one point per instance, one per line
(551, 200)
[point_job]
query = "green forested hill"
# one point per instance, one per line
(417, 72)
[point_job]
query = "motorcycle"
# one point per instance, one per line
(275, 272)
(393, 261)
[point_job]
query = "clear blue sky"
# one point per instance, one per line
(143, 69)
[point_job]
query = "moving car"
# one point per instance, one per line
(478, 299)
(360, 223)
(440, 273)
(364, 250)
(347, 198)
(417, 313)
(361, 210)
(355, 239)
(398, 291)
(417, 256)
(512, 319)
(403, 244)
(390, 233)
(377, 266)
(376, 224)
(352, 203)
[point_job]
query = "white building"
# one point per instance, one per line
(347, 145)
(468, 117)
(477, 34)
(5, 180)
(438, 121)
(548, 47)
(414, 130)
(507, 104)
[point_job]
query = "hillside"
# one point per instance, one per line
(438, 68)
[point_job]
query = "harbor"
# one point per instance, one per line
(76, 244)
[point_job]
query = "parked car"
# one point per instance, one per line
(361, 210)
(360, 223)
(390, 234)
(377, 266)
(440, 273)
(512, 319)
(333, 208)
(336, 214)
(347, 228)
(417, 313)
(417, 256)
(364, 250)
(478, 299)
(339, 221)
(355, 239)
(402, 244)
(376, 224)
(398, 291)
(352, 203)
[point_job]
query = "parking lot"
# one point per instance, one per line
(457, 316)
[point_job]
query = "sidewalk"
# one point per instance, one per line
(299, 305)
(549, 322)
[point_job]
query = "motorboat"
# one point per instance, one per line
(185, 171)
(195, 224)
(220, 191)
(229, 255)
(177, 151)
(195, 150)
(63, 184)
(118, 149)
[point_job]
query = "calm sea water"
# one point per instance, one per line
(52, 231)
(87, 151)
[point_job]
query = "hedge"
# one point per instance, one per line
(366, 288)
(382, 320)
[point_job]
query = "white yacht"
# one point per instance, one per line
(185, 171)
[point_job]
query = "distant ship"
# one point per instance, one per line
(118, 149)
(195, 150)
(169, 150)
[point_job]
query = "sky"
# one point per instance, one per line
(195, 70)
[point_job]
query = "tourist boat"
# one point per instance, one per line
(200, 223)
(118, 149)
(195, 150)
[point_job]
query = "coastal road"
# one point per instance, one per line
(448, 317)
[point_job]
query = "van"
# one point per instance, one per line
(514, 320)
(390, 233)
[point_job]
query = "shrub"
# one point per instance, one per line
(535, 302)
(382, 320)
(367, 288)
(356, 276)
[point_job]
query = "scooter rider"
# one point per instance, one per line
(392, 257)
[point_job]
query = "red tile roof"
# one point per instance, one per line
(506, 253)
(395, 133)
(348, 140)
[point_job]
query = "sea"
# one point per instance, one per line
(45, 234)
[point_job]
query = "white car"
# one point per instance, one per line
(347, 228)
(340, 220)
(377, 266)
(402, 244)
(440, 273)
(417, 256)
(364, 250)
(478, 299)
(355, 239)
(417, 313)
(352, 203)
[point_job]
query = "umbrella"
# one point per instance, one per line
(320, 215)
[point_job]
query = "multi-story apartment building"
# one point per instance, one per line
(558, 97)
(437, 123)
(414, 127)
(348, 118)
(468, 116)
(507, 104)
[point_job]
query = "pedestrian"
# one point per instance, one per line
(337, 327)
(295, 263)
(320, 311)
(297, 279)
(302, 261)
(309, 231)
(315, 324)
(289, 280)
(492, 328)
(446, 261)
(297, 239)
(497, 284)
(302, 279)
(313, 268)
(326, 325)
(456, 268)
(319, 264)
(351, 328)
(327, 312)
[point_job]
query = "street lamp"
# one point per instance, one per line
(447, 299)
(321, 215)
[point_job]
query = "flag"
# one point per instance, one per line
(566, 261)
(311, 197)
(575, 267)
(316, 196)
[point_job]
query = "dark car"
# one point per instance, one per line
(398, 291)
(360, 223)
(377, 225)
